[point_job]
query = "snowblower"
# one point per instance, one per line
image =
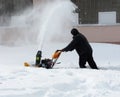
(45, 63)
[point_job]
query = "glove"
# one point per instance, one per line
(58, 50)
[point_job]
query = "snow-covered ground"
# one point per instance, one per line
(19, 81)
(53, 23)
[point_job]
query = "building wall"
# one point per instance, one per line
(108, 34)
(12, 7)
(88, 20)
(89, 9)
(94, 33)
(36, 2)
(9, 7)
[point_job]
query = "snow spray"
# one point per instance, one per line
(50, 21)
(57, 19)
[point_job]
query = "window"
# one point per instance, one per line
(107, 17)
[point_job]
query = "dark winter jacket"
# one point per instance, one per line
(80, 44)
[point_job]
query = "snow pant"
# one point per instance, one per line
(87, 58)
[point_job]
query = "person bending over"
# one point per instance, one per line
(82, 47)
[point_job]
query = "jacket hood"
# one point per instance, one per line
(74, 32)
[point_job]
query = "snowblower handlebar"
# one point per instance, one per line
(55, 57)
(56, 54)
